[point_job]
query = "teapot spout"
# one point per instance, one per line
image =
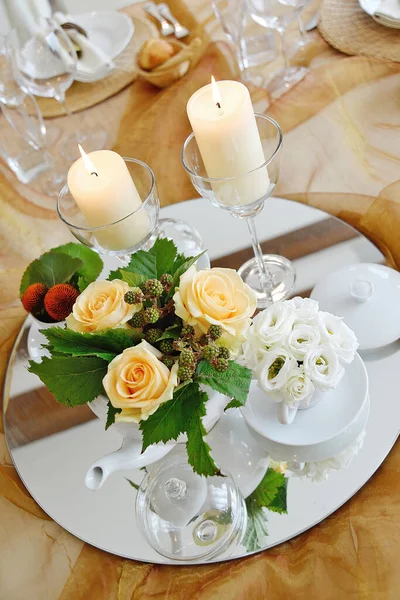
(127, 457)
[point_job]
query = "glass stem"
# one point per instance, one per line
(303, 36)
(266, 277)
(285, 57)
(61, 99)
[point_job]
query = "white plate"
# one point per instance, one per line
(371, 6)
(109, 31)
(319, 432)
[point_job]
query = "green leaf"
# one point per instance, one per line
(234, 383)
(112, 411)
(51, 268)
(267, 489)
(198, 450)
(144, 263)
(105, 344)
(233, 404)
(92, 264)
(117, 274)
(256, 532)
(170, 419)
(279, 503)
(73, 381)
(171, 333)
(132, 483)
(165, 252)
(183, 267)
(132, 279)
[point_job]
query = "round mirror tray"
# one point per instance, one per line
(53, 446)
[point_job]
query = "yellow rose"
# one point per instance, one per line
(138, 382)
(101, 306)
(216, 297)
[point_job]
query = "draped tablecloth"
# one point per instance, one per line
(341, 153)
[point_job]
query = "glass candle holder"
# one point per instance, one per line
(124, 236)
(272, 277)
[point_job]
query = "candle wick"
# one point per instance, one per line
(94, 173)
(219, 105)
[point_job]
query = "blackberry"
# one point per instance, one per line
(151, 315)
(168, 361)
(137, 320)
(152, 335)
(215, 332)
(204, 340)
(134, 296)
(186, 358)
(166, 280)
(224, 353)
(185, 373)
(178, 345)
(166, 346)
(154, 288)
(210, 353)
(221, 365)
(187, 332)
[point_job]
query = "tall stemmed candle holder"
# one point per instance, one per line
(232, 159)
(112, 208)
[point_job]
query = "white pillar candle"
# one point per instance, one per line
(105, 192)
(225, 128)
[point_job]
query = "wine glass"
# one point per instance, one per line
(304, 39)
(45, 65)
(272, 277)
(275, 14)
(187, 517)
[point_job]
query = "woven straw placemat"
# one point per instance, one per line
(83, 95)
(345, 26)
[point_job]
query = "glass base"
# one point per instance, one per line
(284, 80)
(54, 183)
(90, 140)
(283, 278)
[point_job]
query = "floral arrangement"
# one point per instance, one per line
(52, 283)
(294, 348)
(149, 337)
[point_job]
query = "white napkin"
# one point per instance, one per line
(93, 60)
(388, 13)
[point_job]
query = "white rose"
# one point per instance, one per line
(298, 388)
(273, 371)
(302, 339)
(336, 332)
(306, 310)
(322, 366)
(271, 326)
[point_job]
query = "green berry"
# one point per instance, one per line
(178, 345)
(186, 358)
(137, 320)
(187, 332)
(134, 296)
(151, 315)
(168, 361)
(154, 288)
(221, 365)
(166, 346)
(185, 373)
(224, 353)
(167, 280)
(152, 335)
(210, 352)
(204, 340)
(215, 332)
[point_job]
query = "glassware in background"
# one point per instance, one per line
(274, 14)
(304, 38)
(45, 65)
(253, 45)
(272, 277)
(187, 517)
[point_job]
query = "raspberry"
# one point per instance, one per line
(151, 315)
(187, 332)
(221, 365)
(178, 345)
(137, 320)
(166, 346)
(59, 301)
(168, 361)
(224, 353)
(185, 373)
(186, 358)
(166, 280)
(215, 332)
(152, 335)
(154, 288)
(210, 353)
(134, 296)
(33, 297)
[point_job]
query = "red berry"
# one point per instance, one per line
(59, 301)
(33, 297)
